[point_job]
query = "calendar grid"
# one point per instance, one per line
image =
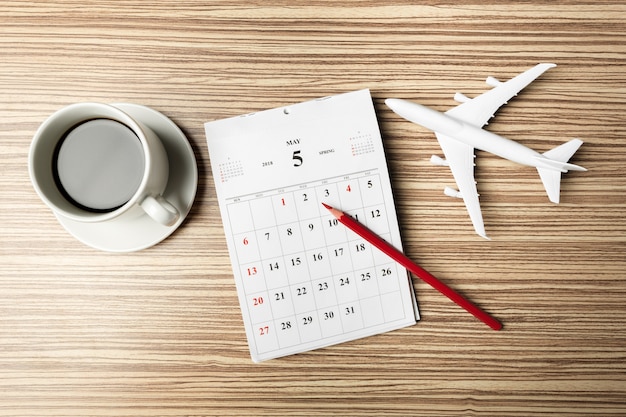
(292, 324)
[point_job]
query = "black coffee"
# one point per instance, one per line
(100, 165)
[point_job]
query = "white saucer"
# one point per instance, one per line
(121, 235)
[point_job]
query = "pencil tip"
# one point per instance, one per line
(327, 206)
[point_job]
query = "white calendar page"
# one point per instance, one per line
(303, 279)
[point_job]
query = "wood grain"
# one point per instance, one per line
(159, 332)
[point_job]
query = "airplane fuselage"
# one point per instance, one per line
(474, 136)
(498, 145)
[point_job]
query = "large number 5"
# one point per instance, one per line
(297, 159)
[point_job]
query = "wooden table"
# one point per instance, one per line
(159, 332)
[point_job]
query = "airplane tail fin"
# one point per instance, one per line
(554, 164)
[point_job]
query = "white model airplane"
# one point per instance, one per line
(459, 131)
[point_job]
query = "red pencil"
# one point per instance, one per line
(426, 276)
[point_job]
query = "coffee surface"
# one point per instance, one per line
(100, 164)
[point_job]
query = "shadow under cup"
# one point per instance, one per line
(88, 163)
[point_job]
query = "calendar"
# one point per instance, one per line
(303, 279)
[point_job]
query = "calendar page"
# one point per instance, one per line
(303, 279)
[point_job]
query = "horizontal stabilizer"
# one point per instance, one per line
(565, 151)
(551, 182)
(557, 158)
(554, 163)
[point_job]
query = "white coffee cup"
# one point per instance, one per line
(92, 162)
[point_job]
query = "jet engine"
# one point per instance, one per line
(437, 160)
(493, 82)
(451, 192)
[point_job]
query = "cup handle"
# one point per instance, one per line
(160, 210)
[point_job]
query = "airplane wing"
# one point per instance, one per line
(479, 110)
(460, 158)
